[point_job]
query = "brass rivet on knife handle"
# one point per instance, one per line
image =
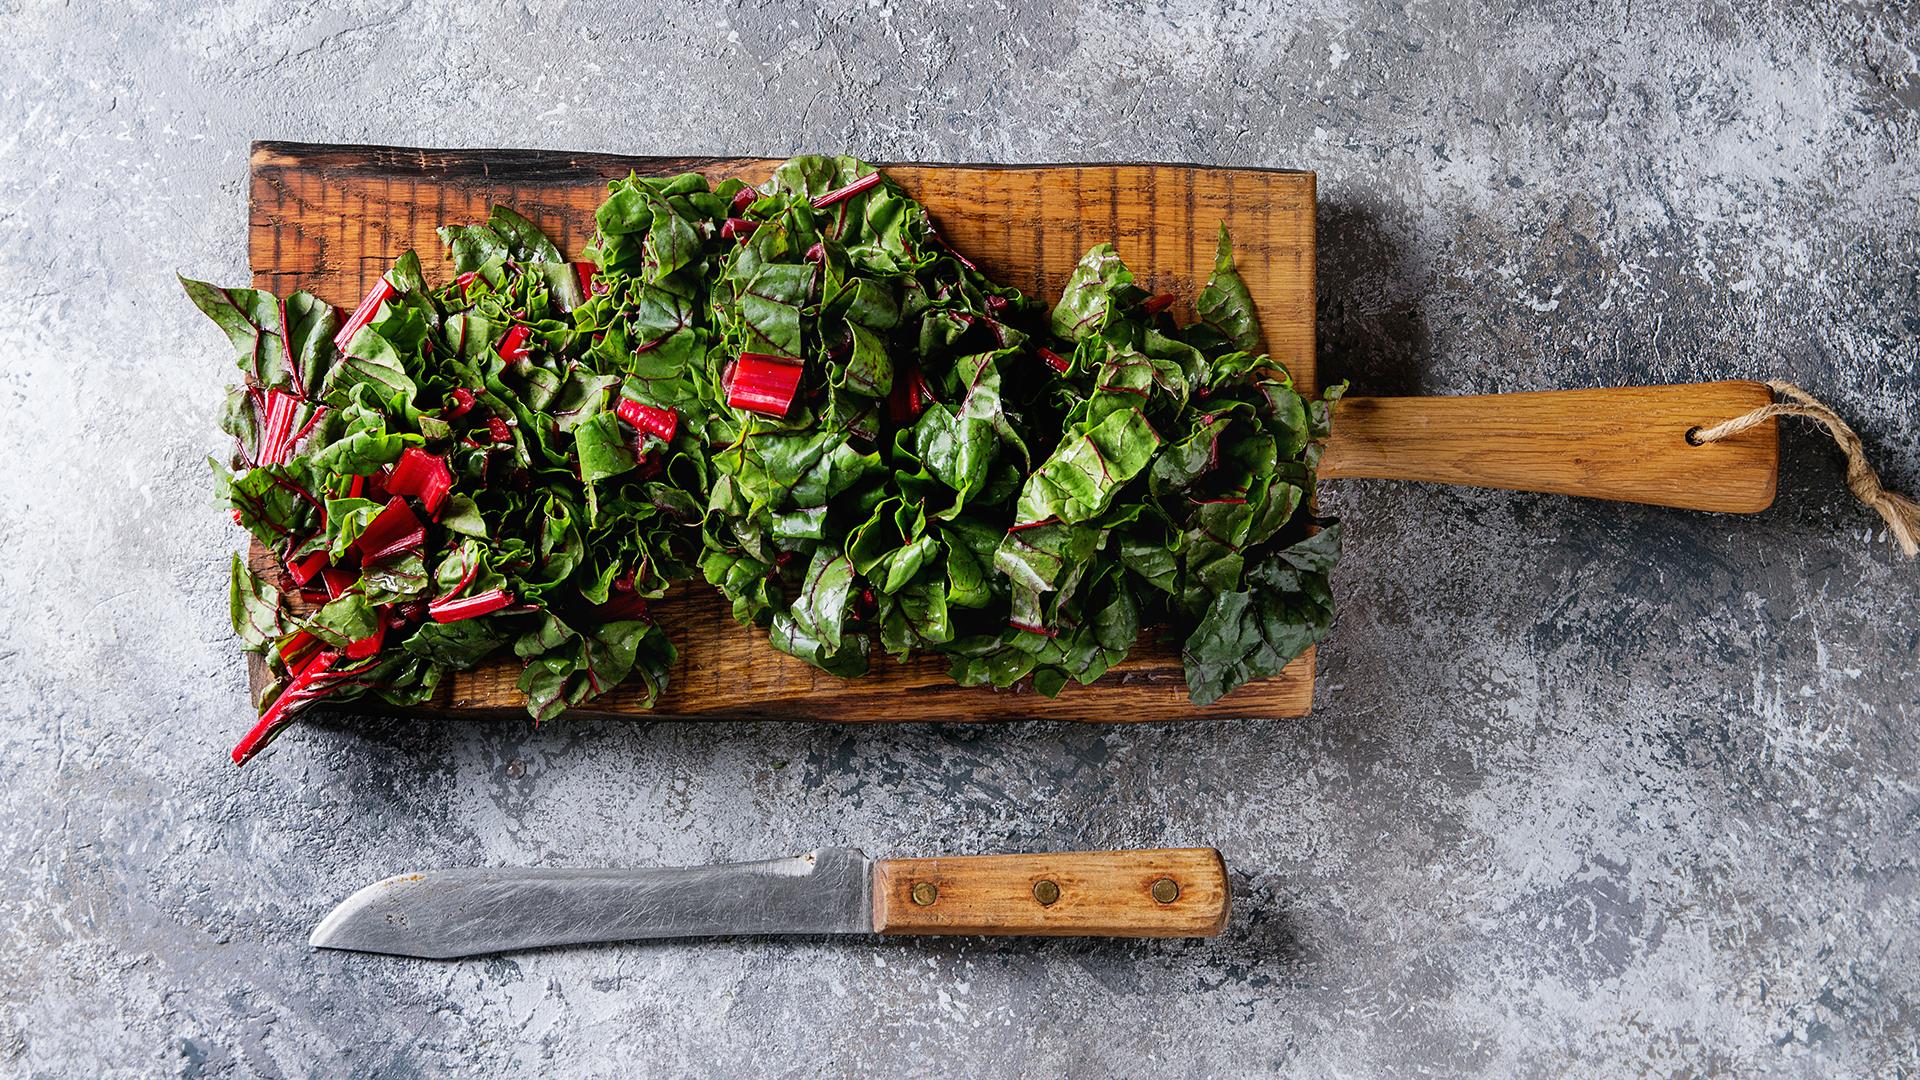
(926, 893)
(1169, 892)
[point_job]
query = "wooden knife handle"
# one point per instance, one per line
(1176, 892)
(1627, 444)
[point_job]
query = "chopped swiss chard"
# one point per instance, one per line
(1128, 505)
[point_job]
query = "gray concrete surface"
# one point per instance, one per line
(1591, 789)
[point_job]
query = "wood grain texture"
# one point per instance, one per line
(332, 219)
(1100, 894)
(1627, 443)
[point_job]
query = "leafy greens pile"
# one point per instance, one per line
(798, 392)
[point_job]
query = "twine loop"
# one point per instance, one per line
(1901, 514)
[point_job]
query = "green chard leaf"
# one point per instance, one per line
(1226, 305)
(1256, 633)
(257, 615)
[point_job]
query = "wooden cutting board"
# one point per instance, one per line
(332, 219)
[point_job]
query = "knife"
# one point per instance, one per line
(1172, 892)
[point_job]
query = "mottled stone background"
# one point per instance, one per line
(1590, 789)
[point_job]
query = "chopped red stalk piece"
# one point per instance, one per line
(236, 517)
(394, 531)
(842, 193)
(460, 400)
(381, 292)
(499, 430)
(1054, 360)
(1154, 305)
(303, 570)
(276, 426)
(466, 279)
(764, 384)
(658, 422)
(588, 273)
(738, 228)
(741, 200)
(996, 304)
(337, 581)
(296, 646)
(817, 253)
(355, 486)
(421, 474)
(469, 607)
(513, 347)
(369, 645)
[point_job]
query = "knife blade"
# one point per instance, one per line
(441, 914)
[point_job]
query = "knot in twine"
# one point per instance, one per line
(1902, 514)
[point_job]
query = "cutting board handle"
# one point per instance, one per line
(1180, 892)
(1628, 444)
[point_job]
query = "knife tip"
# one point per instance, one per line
(345, 926)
